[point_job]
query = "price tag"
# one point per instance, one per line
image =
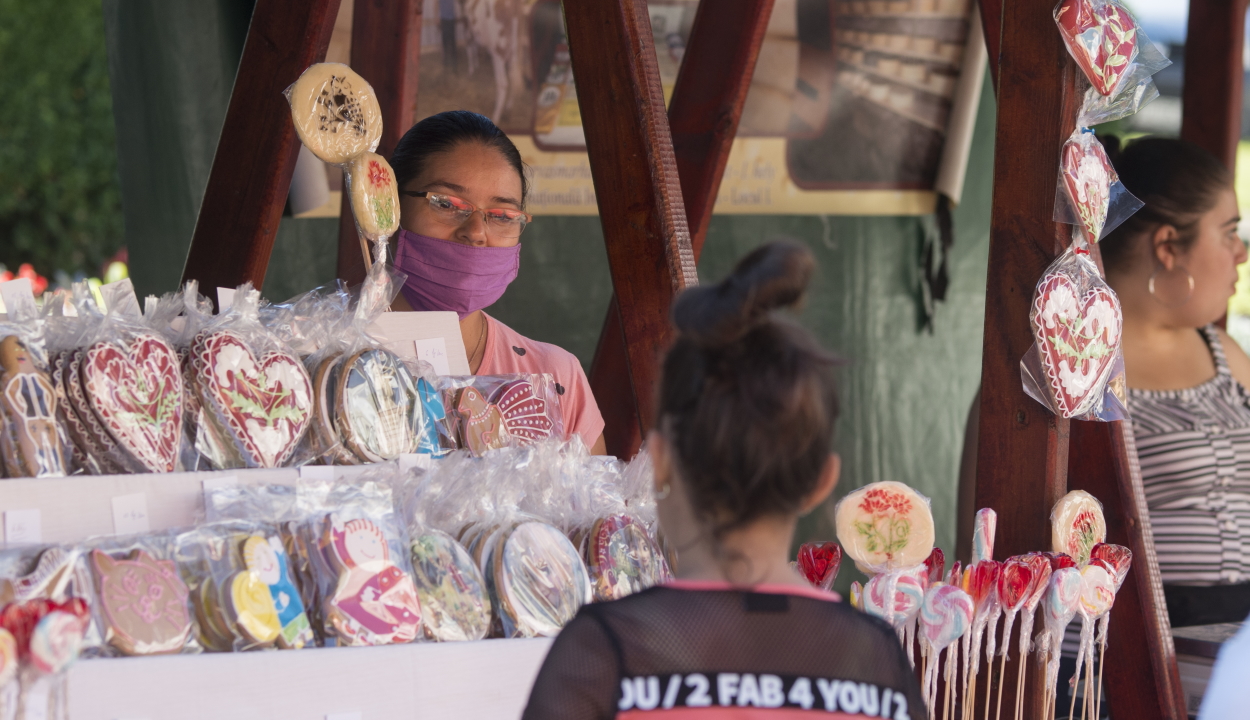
(434, 351)
(130, 514)
(23, 526)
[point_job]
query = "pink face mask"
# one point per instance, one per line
(447, 275)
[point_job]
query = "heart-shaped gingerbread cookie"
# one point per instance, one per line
(264, 404)
(136, 392)
(1087, 177)
(1077, 335)
(1102, 37)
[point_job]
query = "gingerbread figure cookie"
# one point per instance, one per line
(251, 609)
(33, 444)
(267, 560)
(143, 603)
(479, 423)
(374, 602)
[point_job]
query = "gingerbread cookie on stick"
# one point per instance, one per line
(335, 112)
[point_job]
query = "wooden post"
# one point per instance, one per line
(992, 24)
(386, 51)
(703, 115)
(1211, 116)
(255, 157)
(1022, 455)
(635, 176)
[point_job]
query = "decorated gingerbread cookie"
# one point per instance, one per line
(143, 603)
(250, 609)
(325, 376)
(264, 404)
(374, 601)
(8, 658)
(1087, 178)
(136, 392)
(33, 445)
(102, 445)
(77, 433)
(885, 526)
(335, 112)
(621, 558)
(375, 196)
(450, 585)
(539, 579)
(1101, 35)
(214, 632)
(58, 575)
(1077, 334)
(266, 558)
(377, 406)
(479, 424)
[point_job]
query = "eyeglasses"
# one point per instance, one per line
(500, 222)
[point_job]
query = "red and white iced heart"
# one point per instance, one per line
(1087, 177)
(264, 404)
(136, 391)
(1077, 335)
(1102, 37)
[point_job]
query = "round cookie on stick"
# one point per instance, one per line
(335, 112)
(1077, 525)
(375, 195)
(885, 526)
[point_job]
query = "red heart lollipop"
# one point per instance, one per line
(1102, 37)
(1013, 583)
(1118, 557)
(956, 575)
(935, 564)
(982, 577)
(1060, 560)
(1039, 564)
(819, 562)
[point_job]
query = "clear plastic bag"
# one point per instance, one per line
(33, 442)
(494, 411)
(1075, 367)
(254, 390)
(1108, 45)
(1088, 192)
(885, 526)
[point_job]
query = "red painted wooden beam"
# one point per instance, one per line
(255, 158)
(1213, 74)
(635, 176)
(386, 51)
(703, 115)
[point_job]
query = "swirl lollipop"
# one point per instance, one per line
(1097, 596)
(983, 535)
(1014, 583)
(819, 562)
(1058, 608)
(945, 615)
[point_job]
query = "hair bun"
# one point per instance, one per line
(771, 277)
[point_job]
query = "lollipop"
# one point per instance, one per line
(857, 596)
(819, 562)
(885, 526)
(935, 565)
(945, 616)
(1058, 608)
(1039, 564)
(983, 535)
(980, 581)
(1077, 525)
(1014, 585)
(1097, 595)
(1119, 558)
(1060, 560)
(956, 575)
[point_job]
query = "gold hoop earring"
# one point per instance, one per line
(1189, 279)
(663, 492)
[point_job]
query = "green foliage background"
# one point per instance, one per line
(60, 200)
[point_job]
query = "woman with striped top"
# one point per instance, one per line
(1174, 266)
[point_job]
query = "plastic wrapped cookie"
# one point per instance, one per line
(34, 445)
(375, 195)
(621, 558)
(377, 407)
(539, 580)
(885, 526)
(450, 585)
(143, 603)
(335, 112)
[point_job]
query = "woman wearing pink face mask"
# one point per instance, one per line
(462, 193)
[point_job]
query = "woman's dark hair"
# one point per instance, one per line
(1178, 182)
(747, 398)
(443, 132)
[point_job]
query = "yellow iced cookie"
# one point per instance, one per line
(1077, 525)
(885, 526)
(335, 112)
(252, 607)
(375, 197)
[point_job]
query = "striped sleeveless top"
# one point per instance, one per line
(1194, 450)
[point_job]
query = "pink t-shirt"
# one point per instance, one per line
(507, 353)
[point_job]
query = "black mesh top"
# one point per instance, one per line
(707, 650)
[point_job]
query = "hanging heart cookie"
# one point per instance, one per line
(375, 196)
(1077, 334)
(264, 404)
(335, 112)
(1087, 179)
(33, 444)
(1102, 37)
(143, 602)
(136, 392)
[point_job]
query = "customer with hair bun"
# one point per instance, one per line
(1174, 266)
(742, 448)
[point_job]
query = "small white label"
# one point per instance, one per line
(23, 526)
(434, 351)
(130, 514)
(225, 298)
(343, 716)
